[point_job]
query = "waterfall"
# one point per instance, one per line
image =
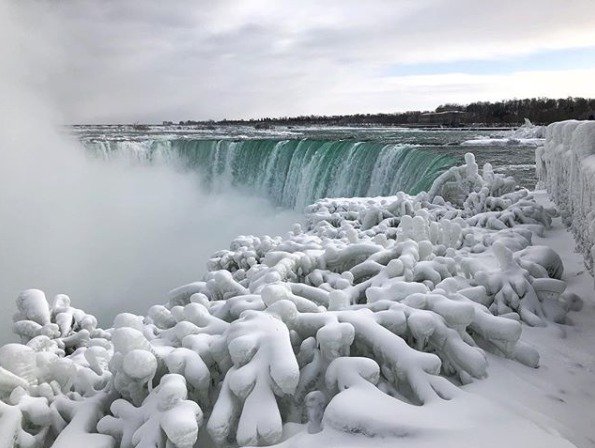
(292, 173)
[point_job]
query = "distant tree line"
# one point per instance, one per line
(482, 113)
(538, 110)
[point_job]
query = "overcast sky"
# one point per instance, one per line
(106, 61)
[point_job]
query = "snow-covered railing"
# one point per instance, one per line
(566, 168)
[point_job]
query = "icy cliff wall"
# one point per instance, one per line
(566, 168)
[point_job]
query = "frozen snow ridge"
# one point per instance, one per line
(566, 168)
(394, 300)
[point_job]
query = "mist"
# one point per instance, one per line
(113, 236)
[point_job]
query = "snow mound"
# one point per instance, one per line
(566, 168)
(529, 130)
(528, 135)
(394, 299)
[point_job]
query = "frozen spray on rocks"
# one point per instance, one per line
(398, 298)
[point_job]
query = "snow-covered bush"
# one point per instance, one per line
(68, 327)
(398, 298)
(165, 418)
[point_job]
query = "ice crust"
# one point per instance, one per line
(566, 168)
(394, 299)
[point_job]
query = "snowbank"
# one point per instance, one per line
(366, 322)
(566, 168)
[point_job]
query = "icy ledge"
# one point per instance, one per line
(566, 168)
(364, 323)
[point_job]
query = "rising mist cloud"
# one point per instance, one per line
(114, 237)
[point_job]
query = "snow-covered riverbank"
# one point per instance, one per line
(381, 319)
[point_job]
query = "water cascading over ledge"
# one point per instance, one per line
(293, 173)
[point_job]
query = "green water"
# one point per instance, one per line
(293, 173)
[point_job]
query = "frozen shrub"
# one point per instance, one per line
(384, 299)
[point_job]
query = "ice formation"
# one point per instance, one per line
(397, 298)
(527, 135)
(566, 168)
(529, 130)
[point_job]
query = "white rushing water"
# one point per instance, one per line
(291, 173)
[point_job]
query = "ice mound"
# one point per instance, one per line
(527, 135)
(566, 168)
(394, 299)
(529, 130)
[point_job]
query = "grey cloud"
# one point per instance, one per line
(148, 60)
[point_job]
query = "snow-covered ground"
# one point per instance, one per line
(442, 319)
(560, 394)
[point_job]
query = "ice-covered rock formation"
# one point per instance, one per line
(566, 168)
(529, 130)
(396, 298)
(528, 135)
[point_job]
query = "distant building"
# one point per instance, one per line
(167, 123)
(445, 118)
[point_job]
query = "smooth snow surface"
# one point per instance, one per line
(441, 319)
(459, 423)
